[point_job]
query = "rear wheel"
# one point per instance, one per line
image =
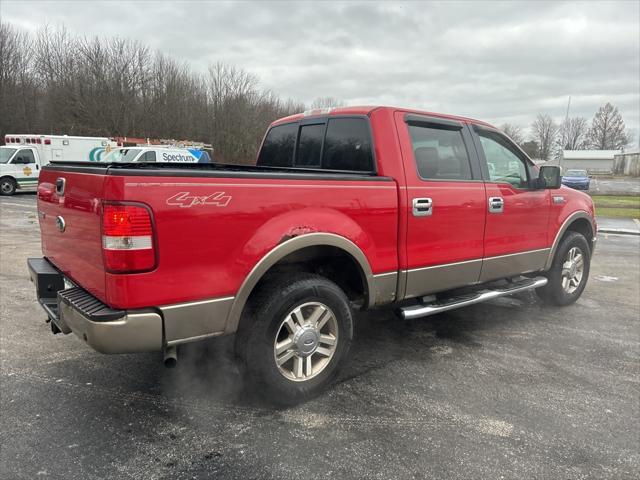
(569, 272)
(294, 335)
(7, 186)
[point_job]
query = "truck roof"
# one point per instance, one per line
(368, 109)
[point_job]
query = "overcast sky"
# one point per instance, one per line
(496, 61)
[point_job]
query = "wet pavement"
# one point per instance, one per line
(509, 389)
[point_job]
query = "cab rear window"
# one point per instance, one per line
(277, 149)
(310, 145)
(342, 144)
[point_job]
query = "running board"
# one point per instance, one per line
(417, 311)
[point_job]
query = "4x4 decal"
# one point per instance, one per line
(186, 200)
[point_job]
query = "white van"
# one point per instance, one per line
(23, 155)
(156, 153)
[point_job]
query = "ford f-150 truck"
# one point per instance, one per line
(346, 209)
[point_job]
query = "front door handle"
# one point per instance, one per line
(496, 205)
(422, 207)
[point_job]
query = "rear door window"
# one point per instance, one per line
(347, 145)
(277, 149)
(440, 153)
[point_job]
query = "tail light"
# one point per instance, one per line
(47, 141)
(127, 238)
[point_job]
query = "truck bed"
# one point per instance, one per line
(206, 245)
(212, 169)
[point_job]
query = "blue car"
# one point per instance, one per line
(578, 179)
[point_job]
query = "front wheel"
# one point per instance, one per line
(569, 271)
(294, 335)
(7, 186)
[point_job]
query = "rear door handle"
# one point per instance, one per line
(496, 205)
(422, 207)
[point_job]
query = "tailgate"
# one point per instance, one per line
(70, 224)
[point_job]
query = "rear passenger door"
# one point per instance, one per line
(446, 203)
(517, 214)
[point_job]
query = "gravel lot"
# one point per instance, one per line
(509, 389)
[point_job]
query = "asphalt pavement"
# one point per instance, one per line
(509, 389)
(629, 226)
(614, 186)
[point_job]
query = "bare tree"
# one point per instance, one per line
(607, 130)
(327, 102)
(531, 149)
(514, 132)
(18, 88)
(572, 133)
(544, 131)
(54, 82)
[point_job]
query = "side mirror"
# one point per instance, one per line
(549, 177)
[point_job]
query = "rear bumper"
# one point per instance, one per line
(103, 328)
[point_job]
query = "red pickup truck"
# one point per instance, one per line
(351, 208)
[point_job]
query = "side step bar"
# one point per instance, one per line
(417, 311)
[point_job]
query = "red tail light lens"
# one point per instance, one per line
(127, 238)
(47, 141)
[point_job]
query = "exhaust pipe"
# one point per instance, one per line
(170, 357)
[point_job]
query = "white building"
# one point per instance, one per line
(593, 161)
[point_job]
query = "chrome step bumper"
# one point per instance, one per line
(417, 311)
(105, 329)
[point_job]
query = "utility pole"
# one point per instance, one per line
(566, 124)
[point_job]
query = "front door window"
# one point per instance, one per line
(503, 163)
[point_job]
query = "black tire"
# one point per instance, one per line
(262, 322)
(553, 292)
(8, 186)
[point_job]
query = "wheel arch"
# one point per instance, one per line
(308, 243)
(580, 222)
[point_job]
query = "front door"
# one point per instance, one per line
(26, 168)
(445, 202)
(517, 213)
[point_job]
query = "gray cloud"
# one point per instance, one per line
(497, 61)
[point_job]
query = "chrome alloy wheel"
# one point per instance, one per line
(306, 341)
(572, 270)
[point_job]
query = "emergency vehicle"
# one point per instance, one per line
(23, 155)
